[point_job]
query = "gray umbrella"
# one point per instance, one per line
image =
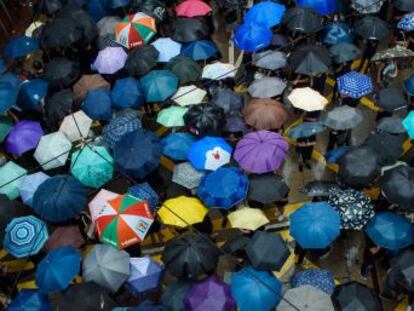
(404, 5)
(106, 266)
(310, 60)
(344, 52)
(228, 100)
(267, 188)
(391, 99)
(271, 60)
(305, 298)
(303, 20)
(317, 188)
(387, 146)
(398, 186)
(186, 175)
(342, 118)
(392, 125)
(106, 25)
(372, 28)
(367, 6)
(266, 87)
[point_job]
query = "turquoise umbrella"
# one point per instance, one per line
(11, 177)
(158, 85)
(172, 116)
(408, 124)
(93, 166)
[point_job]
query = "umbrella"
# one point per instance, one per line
(267, 188)
(387, 146)
(24, 136)
(182, 212)
(65, 236)
(318, 188)
(53, 150)
(138, 153)
(204, 120)
(209, 294)
(186, 175)
(158, 85)
(315, 225)
(192, 8)
(306, 297)
(8, 96)
(29, 186)
(76, 126)
(99, 202)
(28, 299)
(141, 60)
(398, 185)
(167, 48)
(408, 124)
(174, 294)
(266, 13)
(342, 118)
(48, 7)
(25, 236)
(252, 37)
(188, 30)
(58, 106)
(209, 153)
(392, 125)
(406, 23)
(200, 49)
(61, 72)
(59, 198)
(403, 265)
(32, 93)
(61, 32)
(344, 52)
(354, 207)
(186, 69)
(367, 6)
(134, 30)
(271, 60)
(218, 71)
(337, 32)
(118, 127)
(228, 100)
(124, 221)
(333, 156)
(189, 95)
(6, 124)
(323, 7)
(172, 116)
(114, 4)
(310, 60)
(279, 40)
(236, 243)
(144, 191)
(247, 218)
(190, 255)
(177, 145)
(106, 25)
(127, 93)
(391, 99)
(302, 20)
(235, 124)
(355, 296)
(404, 5)
(265, 114)
(50, 277)
(318, 278)
(110, 60)
(395, 52)
(372, 28)
(11, 178)
(307, 99)
(146, 274)
(266, 87)
(98, 104)
(20, 46)
(306, 129)
(88, 83)
(260, 289)
(154, 8)
(106, 266)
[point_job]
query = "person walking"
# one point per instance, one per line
(304, 148)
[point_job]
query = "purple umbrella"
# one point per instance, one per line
(261, 152)
(110, 60)
(24, 136)
(210, 294)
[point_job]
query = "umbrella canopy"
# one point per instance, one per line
(398, 185)
(192, 8)
(189, 29)
(354, 84)
(118, 127)
(344, 52)
(172, 116)
(61, 72)
(323, 7)
(134, 30)
(391, 99)
(106, 266)
(189, 95)
(354, 207)
(315, 225)
(310, 60)
(32, 93)
(320, 188)
(271, 60)
(408, 124)
(190, 255)
(138, 153)
(367, 6)
(76, 126)
(306, 129)
(124, 221)
(387, 146)
(200, 49)
(337, 32)
(395, 52)
(355, 296)
(127, 93)
(266, 87)
(174, 294)
(235, 124)
(8, 96)
(306, 297)
(11, 178)
(98, 104)
(58, 106)
(25, 236)
(404, 5)
(29, 186)
(318, 278)
(209, 294)
(236, 243)
(27, 299)
(167, 48)
(261, 152)
(141, 60)
(266, 13)
(267, 188)
(186, 175)
(50, 277)
(145, 192)
(146, 274)
(372, 28)
(154, 8)
(99, 202)
(218, 71)
(65, 236)
(252, 37)
(259, 288)
(265, 114)
(204, 120)
(228, 100)
(307, 99)
(302, 20)
(182, 212)
(59, 198)
(406, 23)
(403, 265)
(53, 150)
(20, 46)
(158, 85)
(247, 218)
(342, 118)
(177, 145)
(334, 155)
(391, 125)
(88, 83)
(186, 69)
(210, 153)
(106, 25)
(24, 136)
(6, 124)
(110, 60)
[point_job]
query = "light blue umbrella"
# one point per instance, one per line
(323, 7)
(210, 153)
(30, 299)
(25, 236)
(146, 274)
(127, 93)
(29, 186)
(11, 178)
(354, 84)
(266, 13)
(406, 23)
(408, 124)
(167, 49)
(32, 93)
(252, 37)
(306, 129)
(339, 32)
(200, 49)
(20, 46)
(158, 85)
(177, 145)
(321, 279)
(118, 127)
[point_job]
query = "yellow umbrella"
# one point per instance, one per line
(182, 211)
(307, 99)
(248, 218)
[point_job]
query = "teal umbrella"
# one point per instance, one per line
(6, 124)
(92, 165)
(172, 116)
(408, 124)
(158, 85)
(11, 177)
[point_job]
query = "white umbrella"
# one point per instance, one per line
(76, 126)
(167, 48)
(305, 298)
(53, 150)
(189, 95)
(218, 71)
(307, 99)
(271, 60)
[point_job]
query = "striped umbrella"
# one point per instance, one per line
(135, 29)
(354, 84)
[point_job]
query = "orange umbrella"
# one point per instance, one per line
(87, 83)
(265, 114)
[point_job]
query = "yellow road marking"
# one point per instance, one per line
(27, 285)
(17, 265)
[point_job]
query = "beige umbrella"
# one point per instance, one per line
(32, 27)
(247, 218)
(395, 52)
(87, 83)
(189, 95)
(265, 114)
(76, 126)
(307, 99)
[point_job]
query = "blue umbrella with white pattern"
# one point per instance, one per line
(321, 279)
(354, 84)
(118, 127)
(144, 191)
(209, 153)
(406, 23)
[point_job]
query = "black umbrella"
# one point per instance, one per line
(392, 125)
(189, 29)
(359, 166)
(267, 251)
(205, 120)
(310, 60)
(141, 60)
(186, 69)
(303, 20)
(320, 188)
(61, 32)
(391, 99)
(236, 243)
(279, 40)
(61, 72)
(58, 106)
(154, 8)
(48, 7)
(398, 186)
(190, 255)
(344, 52)
(267, 188)
(403, 267)
(228, 100)
(388, 146)
(404, 5)
(8, 210)
(173, 296)
(372, 28)
(354, 296)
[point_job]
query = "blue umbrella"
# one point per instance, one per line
(409, 85)
(29, 186)
(406, 23)
(144, 191)
(146, 274)
(3, 65)
(118, 127)
(11, 78)
(25, 236)
(354, 84)
(59, 198)
(252, 37)
(337, 33)
(390, 230)
(114, 4)
(315, 225)
(127, 93)
(98, 104)
(266, 13)
(210, 153)
(55, 272)
(306, 129)
(321, 279)
(32, 93)
(138, 153)
(260, 289)
(223, 188)
(323, 7)
(333, 156)
(177, 145)
(96, 9)
(158, 85)
(30, 299)
(20, 46)
(199, 50)
(8, 96)
(408, 124)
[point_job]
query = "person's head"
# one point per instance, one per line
(37, 65)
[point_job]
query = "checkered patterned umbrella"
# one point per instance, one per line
(118, 127)
(354, 84)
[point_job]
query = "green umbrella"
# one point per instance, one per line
(172, 116)
(6, 123)
(11, 177)
(93, 166)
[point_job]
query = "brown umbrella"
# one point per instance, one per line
(265, 114)
(65, 236)
(87, 83)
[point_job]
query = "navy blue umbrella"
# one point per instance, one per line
(199, 50)
(127, 93)
(98, 104)
(144, 191)
(8, 96)
(20, 46)
(32, 93)
(30, 299)
(114, 4)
